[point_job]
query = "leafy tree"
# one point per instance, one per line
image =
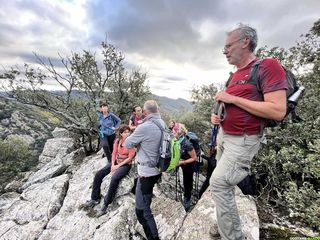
(85, 84)
(198, 121)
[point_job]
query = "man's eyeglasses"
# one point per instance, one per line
(228, 46)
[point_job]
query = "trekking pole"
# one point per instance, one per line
(196, 181)
(220, 111)
(177, 184)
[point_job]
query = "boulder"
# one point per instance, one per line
(57, 146)
(25, 217)
(169, 216)
(73, 220)
(60, 133)
(203, 217)
(51, 169)
(55, 166)
(14, 186)
(5, 122)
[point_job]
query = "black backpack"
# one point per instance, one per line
(294, 92)
(193, 138)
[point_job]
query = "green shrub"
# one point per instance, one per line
(303, 203)
(15, 157)
(6, 113)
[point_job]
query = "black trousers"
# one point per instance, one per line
(188, 171)
(95, 194)
(120, 173)
(115, 179)
(144, 191)
(107, 145)
(212, 163)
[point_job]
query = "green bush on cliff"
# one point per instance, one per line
(15, 157)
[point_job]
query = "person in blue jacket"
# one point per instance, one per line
(108, 123)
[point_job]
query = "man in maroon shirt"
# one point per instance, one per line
(241, 131)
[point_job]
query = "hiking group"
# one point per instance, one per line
(243, 111)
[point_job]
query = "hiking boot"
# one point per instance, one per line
(186, 203)
(102, 211)
(214, 232)
(91, 203)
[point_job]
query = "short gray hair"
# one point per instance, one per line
(247, 32)
(151, 106)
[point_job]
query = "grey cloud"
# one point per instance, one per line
(156, 29)
(8, 34)
(44, 11)
(163, 29)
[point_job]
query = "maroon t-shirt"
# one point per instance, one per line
(272, 77)
(136, 120)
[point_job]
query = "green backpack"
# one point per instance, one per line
(175, 155)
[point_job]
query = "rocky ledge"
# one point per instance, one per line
(49, 204)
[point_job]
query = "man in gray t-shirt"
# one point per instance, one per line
(147, 139)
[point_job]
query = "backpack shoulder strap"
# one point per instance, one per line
(229, 79)
(157, 124)
(253, 77)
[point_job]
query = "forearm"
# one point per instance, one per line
(126, 161)
(268, 110)
(193, 157)
(273, 106)
(189, 160)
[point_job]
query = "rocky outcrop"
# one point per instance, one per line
(60, 133)
(25, 216)
(51, 204)
(56, 157)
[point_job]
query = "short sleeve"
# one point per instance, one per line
(272, 76)
(189, 147)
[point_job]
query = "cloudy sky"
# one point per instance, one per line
(177, 42)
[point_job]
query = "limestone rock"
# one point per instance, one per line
(26, 216)
(5, 122)
(51, 204)
(74, 158)
(57, 146)
(43, 160)
(7, 200)
(199, 221)
(14, 186)
(169, 216)
(60, 133)
(13, 231)
(49, 170)
(73, 220)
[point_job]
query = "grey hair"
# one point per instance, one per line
(151, 106)
(247, 32)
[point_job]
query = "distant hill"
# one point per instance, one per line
(167, 105)
(170, 105)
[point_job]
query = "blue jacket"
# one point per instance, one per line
(109, 124)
